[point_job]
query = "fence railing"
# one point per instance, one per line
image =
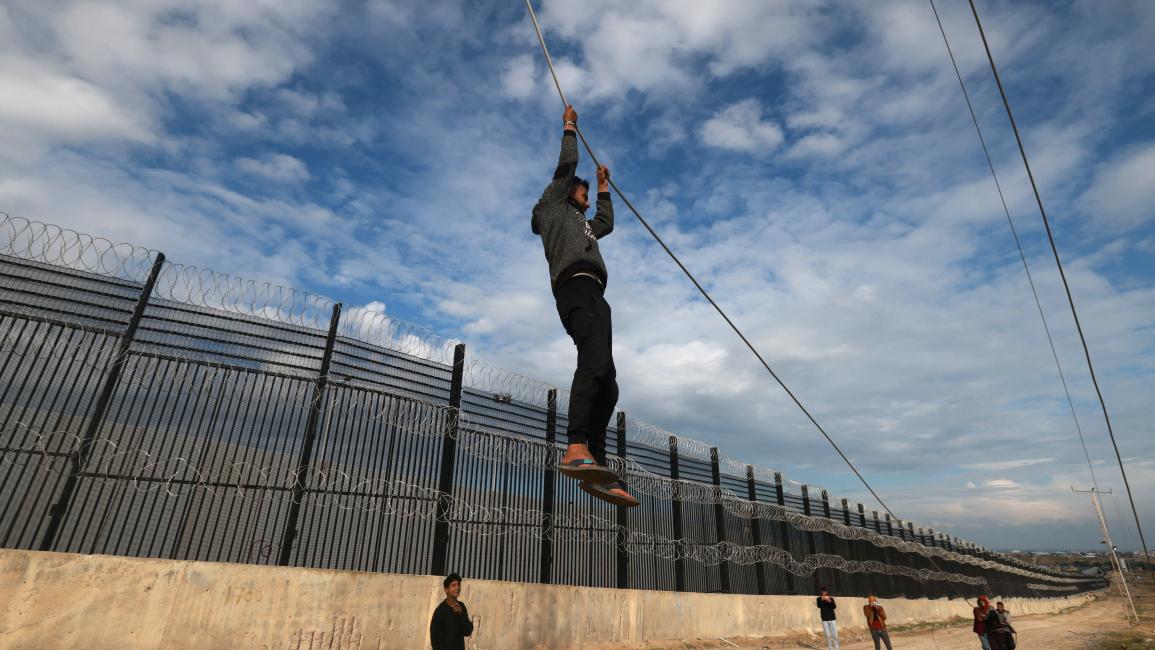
(153, 409)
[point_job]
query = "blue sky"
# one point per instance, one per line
(812, 162)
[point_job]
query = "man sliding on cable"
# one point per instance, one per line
(578, 277)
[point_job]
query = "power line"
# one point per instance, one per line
(705, 294)
(1018, 243)
(1062, 274)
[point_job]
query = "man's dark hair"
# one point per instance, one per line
(822, 589)
(450, 579)
(577, 180)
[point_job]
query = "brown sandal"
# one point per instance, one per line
(602, 491)
(586, 469)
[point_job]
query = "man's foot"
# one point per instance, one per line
(575, 452)
(614, 493)
(578, 463)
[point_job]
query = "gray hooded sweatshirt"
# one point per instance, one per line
(569, 239)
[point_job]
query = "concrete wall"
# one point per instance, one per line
(57, 600)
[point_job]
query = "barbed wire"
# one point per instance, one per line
(56, 246)
(382, 330)
(393, 497)
(1036, 586)
(487, 378)
(421, 418)
(433, 420)
(327, 486)
(210, 289)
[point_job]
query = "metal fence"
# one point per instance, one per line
(156, 410)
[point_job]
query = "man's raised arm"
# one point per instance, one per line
(558, 189)
(603, 221)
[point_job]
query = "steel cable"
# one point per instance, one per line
(1062, 275)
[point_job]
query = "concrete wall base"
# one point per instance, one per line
(60, 600)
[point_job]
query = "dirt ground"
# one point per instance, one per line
(1100, 625)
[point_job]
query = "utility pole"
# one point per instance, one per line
(1123, 589)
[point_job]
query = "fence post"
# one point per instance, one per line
(68, 492)
(886, 554)
(755, 529)
(448, 460)
(288, 537)
(868, 549)
(828, 543)
(676, 509)
(719, 519)
(548, 487)
(810, 540)
(922, 586)
(855, 579)
(623, 518)
(784, 528)
(890, 531)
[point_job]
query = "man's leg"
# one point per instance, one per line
(606, 397)
(876, 636)
(594, 394)
(985, 641)
(576, 305)
(886, 638)
(831, 630)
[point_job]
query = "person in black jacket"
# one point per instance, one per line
(826, 607)
(578, 278)
(450, 624)
(995, 629)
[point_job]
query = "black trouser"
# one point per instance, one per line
(586, 316)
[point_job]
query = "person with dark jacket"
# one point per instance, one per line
(826, 607)
(450, 624)
(578, 278)
(1008, 631)
(994, 628)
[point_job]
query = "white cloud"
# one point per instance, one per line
(1001, 483)
(999, 465)
(277, 167)
(1122, 193)
(519, 80)
(740, 127)
(655, 45)
(217, 51)
(63, 108)
(818, 145)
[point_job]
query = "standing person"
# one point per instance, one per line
(980, 617)
(826, 607)
(578, 278)
(450, 624)
(994, 629)
(1009, 641)
(876, 621)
